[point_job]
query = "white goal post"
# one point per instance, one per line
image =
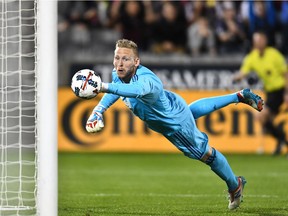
(47, 73)
(28, 107)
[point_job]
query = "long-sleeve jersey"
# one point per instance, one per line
(162, 110)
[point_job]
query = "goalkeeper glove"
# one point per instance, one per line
(95, 122)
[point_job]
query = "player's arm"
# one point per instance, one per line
(239, 76)
(244, 70)
(282, 66)
(286, 81)
(286, 87)
(95, 121)
(108, 100)
(142, 87)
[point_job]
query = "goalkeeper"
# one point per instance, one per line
(167, 113)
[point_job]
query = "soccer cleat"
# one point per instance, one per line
(248, 97)
(235, 197)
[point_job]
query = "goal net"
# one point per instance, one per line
(18, 99)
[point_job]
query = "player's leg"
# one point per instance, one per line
(194, 144)
(273, 102)
(221, 167)
(207, 105)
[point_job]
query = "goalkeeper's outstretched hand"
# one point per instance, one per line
(95, 122)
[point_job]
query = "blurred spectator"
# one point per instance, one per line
(163, 26)
(199, 8)
(113, 14)
(169, 32)
(83, 12)
(132, 22)
(244, 11)
(78, 18)
(229, 31)
(262, 17)
(194, 10)
(152, 10)
(284, 26)
(243, 15)
(200, 38)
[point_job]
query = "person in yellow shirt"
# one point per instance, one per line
(271, 68)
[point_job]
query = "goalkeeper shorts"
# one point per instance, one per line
(189, 140)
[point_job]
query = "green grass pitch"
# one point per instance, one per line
(167, 184)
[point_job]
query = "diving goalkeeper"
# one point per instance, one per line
(167, 113)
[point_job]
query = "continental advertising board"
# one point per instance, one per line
(231, 129)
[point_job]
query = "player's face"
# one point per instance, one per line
(259, 41)
(125, 62)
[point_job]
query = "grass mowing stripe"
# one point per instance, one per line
(166, 184)
(173, 195)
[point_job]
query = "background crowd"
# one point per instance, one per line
(196, 28)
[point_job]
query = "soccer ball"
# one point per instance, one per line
(85, 84)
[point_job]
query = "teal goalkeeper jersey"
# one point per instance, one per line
(162, 110)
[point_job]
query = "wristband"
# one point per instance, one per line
(99, 109)
(104, 87)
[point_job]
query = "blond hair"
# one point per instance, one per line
(124, 43)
